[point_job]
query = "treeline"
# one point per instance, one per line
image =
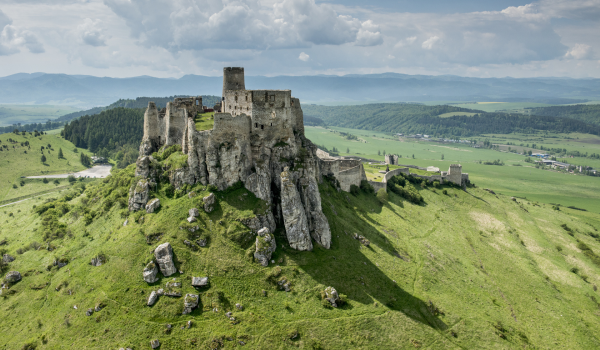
(586, 113)
(140, 102)
(420, 119)
(49, 125)
(115, 133)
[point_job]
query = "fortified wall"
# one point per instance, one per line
(257, 138)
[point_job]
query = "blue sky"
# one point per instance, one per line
(171, 38)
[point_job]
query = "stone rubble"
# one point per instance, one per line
(153, 205)
(190, 302)
(7, 258)
(331, 295)
(265, 246)
(209, 202)
(150, 272)
(164, 257)
(152, 298)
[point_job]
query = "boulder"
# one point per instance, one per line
(199, 281)
(190, 302)
(153, 205)
(194, 212)
(89, 312)
(164, 256)
(257, 222)
(191, 219)
(294, 217)
(173, 288)
(7, 258)
(138, 195)
(239, 307)
(12, 277)
(202, 242)
(331, 295)
(152, 298)
(98, 261)
(154, 343)
(150, 272)
(209, 203)
(364, 241)
(126, 222)
(265, 246)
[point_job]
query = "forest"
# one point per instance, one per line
(585, 113)
(421, 119)
(114, 133)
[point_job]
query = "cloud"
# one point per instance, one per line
(13, 38)
(246, 24)
(303, 57)
(90, 33)
(579, 52)
(428, 44)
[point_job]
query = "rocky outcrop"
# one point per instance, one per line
(12, 277)
(138, 195)
(153, 205)
(265, 246)
(317, 222)
(259, 221)
(150, 272)
(164, 257)
(331, 295)
(209, 203)
(190, 302)
(294, 217)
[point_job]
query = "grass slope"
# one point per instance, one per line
(464, 270)
(14, 163)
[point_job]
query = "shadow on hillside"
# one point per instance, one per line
(347, 269)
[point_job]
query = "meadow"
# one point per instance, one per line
(515, 178)
(25, 114)
(21, 161)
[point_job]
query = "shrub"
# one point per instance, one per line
(366, 187)
(56, 182)
(45, 180)
(15, 186)
(382, 196)
(71, 179)
(445, 192)
(354, 190)
(436, 184)
(169, 190)
(22, 183)
(211, 188)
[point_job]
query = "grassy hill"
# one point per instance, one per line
(465, 269)
(15, 163)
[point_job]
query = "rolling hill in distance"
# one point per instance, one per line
(89, 91)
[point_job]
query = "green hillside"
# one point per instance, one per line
(463, 270)
(589, 113)
(19, 159)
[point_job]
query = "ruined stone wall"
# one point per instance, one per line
(351, 176)
(394, 172)
(237, 102)
(455, 174)
(272, 115)
(176, 120)
(151, 128)
(429, 178)
(297, 116)
(233, 79)
(378, 185)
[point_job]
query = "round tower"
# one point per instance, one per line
(151, 129)
(233, 79)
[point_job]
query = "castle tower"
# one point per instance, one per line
(233, 79)
(151, 129)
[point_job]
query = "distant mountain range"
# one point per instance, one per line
(89, 91)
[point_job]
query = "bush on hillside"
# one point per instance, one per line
(354, 190)
(366, 187)
(382, 196)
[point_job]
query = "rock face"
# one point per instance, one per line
(209, 203)
(138, 195)
(331, 295)
(259, 221)
(164, 256)
(294, 217)
(190, 302)
(153, 205)
(12, 277)
(7, 258)
(265, 246)
(150, 272)
(152, 298)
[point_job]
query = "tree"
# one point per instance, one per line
(413, 156)
(45, 180)
(382, 196)
(442, 157)
(71, 179)
(43, 158)
(61, 156)
(347, 150)
(384, 152)
(378, 153)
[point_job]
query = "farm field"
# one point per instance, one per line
(499, 106)
(15, 163)
(26, 114)
(515, 178)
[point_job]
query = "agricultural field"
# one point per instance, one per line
(15, 163)
(25, 114)
(499, 106)
(515, 178)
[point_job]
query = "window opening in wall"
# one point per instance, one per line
(159, 140)
(262, 127)
(256, 125)
(236, 99)
(271, 124)
(272, 98)
(197, 103)
(229, 106)
(292, 102)
(246, 97)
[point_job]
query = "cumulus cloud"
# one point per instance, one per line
(428, 44)
(248, 24)
(303, 57)
(579, 52)
(90, 33)
(12, 39)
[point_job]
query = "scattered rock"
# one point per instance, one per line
(164, 256)
(199, 281)
(98, 261)
(160, 291)
(7, 258)
(89, 312)
(265, 246)
(153, 205)
(239, 307)
(126, 222)
(172, 288)
(98, 308)
(154, 343)
(194, 212)
(229, 314)
(284, 284)
(209, 202)
(191, 195)
(190, 302)
(191, 219)
(150, 272)
(202, 242)
(331, 295)
(364, 241)
(189, 325)
(12, 277)
(152, 298)
(513, 199)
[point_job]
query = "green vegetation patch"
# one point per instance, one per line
(205, 121)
